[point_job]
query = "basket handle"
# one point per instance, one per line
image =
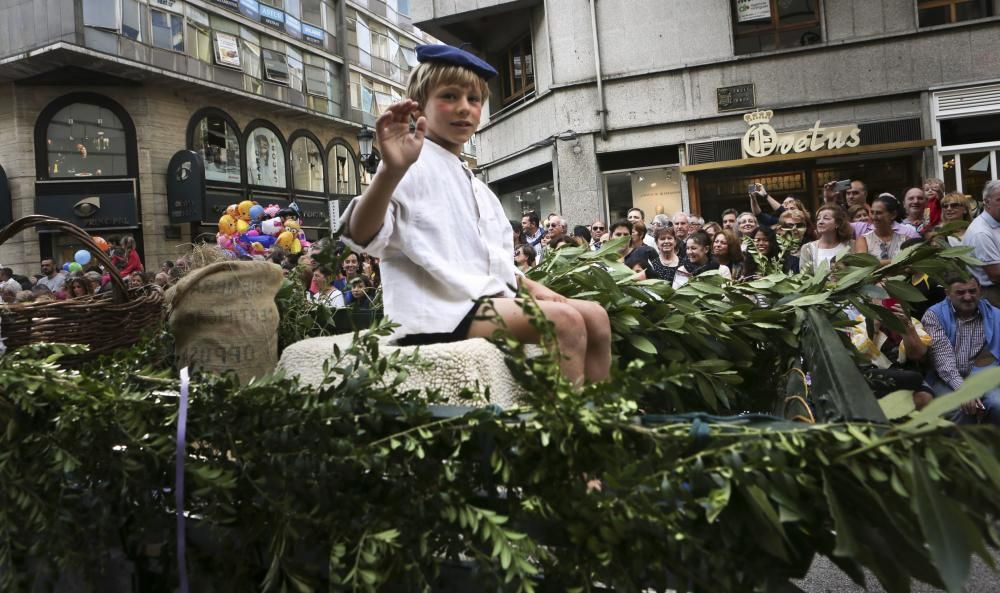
(118, 285)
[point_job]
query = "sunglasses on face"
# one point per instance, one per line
(950, 205)
(596, 228)
(790, 226)
(551, 225)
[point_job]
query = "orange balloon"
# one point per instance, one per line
(101, 244)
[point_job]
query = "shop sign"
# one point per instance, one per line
(293, 26)
(313, 35)
(762, 140)
(6, 203)
(740, 96)
(334, 212)
(230, 4)
(107, 205)
(227, 50)
(250, 9)
(272, 17)
(185, 187)
(314, 212)
(753, 10)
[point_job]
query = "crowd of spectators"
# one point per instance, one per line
(954, 332)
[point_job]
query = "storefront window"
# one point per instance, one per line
(942, 12)
(265, 159)
(655, 191)
(968, 172)
(343, 171)
(86, 140)
(764, 25)
(307, 165)
(538, 198)
(219, 144)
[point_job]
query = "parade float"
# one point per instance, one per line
(684, 471)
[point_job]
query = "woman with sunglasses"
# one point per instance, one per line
(834, 239)
(882, 241)
(955, 207)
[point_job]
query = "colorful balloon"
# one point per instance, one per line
(244, 209)
(82, 257)
(75, 267)
(242, 226)
(232, 210)
(256, 212)
(66, 267)
(101, 244)
(227, 225)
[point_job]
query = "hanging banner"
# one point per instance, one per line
(227, 50)
(753, 10)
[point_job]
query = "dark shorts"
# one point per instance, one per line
(461, 331)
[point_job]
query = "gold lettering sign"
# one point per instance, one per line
(763, 140)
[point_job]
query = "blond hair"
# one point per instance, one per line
(431, 75)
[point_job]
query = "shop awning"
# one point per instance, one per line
(776, 158)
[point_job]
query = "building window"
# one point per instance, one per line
(102, 14)
(168, 30)
(777, 24)
(403, 7)
(343, 170)
(307, 165)
(295, 71)
(132, 17)
(265, 158)
(943, 12)
(218, 141)
(275, 66)
(250, 58)
(312, 12)
(86, 140)
(199, 35)
(518, 75)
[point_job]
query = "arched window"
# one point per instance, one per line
(214, 134)
(265, 149)
(306, 159)
(343, 168)
(85, 135)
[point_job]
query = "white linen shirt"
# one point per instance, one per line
(983, 235)
(445, 242)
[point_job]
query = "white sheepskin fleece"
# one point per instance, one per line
(475, 364)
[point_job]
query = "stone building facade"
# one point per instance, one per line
(606, 104)
(98, 96)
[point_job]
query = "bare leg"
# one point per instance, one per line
(598, 361)
(570, 329)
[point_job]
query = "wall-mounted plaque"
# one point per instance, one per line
(736, 97)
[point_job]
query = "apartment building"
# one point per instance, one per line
(603, 105)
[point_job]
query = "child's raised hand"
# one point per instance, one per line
(400, 147)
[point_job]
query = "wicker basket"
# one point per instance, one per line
(103, 321)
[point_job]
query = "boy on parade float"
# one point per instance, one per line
(442, 236)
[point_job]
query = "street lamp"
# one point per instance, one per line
(369, 154)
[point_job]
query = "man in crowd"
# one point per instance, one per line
(965, 338)
(635, 215)
(915, 204)
(532, 231)
(51, 278)
(598, 231)
(983, 235)
(857, 194)
(682, 226)
(729, 217)
(7, 281)
(694, 224)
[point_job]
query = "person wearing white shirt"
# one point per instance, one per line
(326, 293)
(442, 287)
(983, 235)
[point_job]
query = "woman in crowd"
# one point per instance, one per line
(78, 288)
(515, 228)
(746, 225)
(638, 253)
(524, 257)
(795, 229)
(762, 258)
(130, 256)
(326, 293)
(858, 213)
(664, 264)
(136, 279)
(711, 229)
(834, 239)
(955, 207)
(728, 252)
(882, 241)
(699, 260)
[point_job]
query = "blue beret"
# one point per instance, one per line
(455, 57)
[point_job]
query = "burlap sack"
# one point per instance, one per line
(223, 317)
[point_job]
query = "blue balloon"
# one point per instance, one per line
(66, 267)
(82, 257)
(256, 212)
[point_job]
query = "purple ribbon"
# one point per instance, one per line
(179, 480)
